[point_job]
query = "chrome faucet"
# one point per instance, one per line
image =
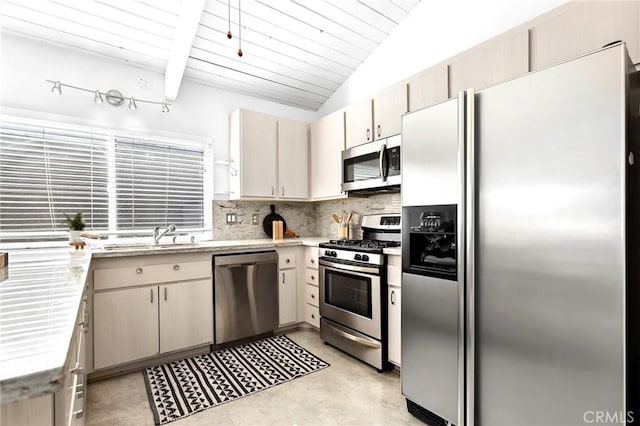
(157, 233)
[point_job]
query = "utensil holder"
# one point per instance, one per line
(343, 231)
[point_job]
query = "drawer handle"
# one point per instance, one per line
(313, 296)
(288, 260)
(393, 297)
(138, 271)
(313, 261)
(312, 277)
(176, 267)
(313, 316)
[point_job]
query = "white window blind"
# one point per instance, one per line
(123, 183)
(46, 172)
(158, 183)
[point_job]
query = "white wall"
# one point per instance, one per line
(431, 33)
(200, 110)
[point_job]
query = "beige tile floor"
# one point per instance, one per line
(348, 392)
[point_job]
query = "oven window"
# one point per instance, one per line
(362, 168)
(349, 292)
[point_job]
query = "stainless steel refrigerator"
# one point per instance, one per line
(520, 260)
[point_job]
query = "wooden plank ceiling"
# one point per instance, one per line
(295, 52)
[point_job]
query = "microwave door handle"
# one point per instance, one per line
(382, 162)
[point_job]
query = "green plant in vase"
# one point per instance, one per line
(75, 224)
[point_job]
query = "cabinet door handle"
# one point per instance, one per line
(176, 267)
(138, 271)
(368, 134)
(283, 275)
(393, 297)
(165, 293)
(283, 191)
(313, 261)
(379, 130)
(272, 190)
(151, 292)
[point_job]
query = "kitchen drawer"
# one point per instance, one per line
(394, 275)
(311, 276)
(149, 274)
(286, 260)
(311, 294)
(394, 259)
(312, 315)
(311, 257)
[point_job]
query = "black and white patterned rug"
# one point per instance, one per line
(179, 389)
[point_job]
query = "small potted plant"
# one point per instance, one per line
(75, 224)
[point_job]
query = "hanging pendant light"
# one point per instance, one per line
(239, 31)
(97, 98)
(229, 22)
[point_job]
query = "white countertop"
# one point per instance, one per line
(40, 295)
(39, 299)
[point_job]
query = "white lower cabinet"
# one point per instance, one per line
(179, 326)
(125, 326)
(287, 286)
(312, 294)
(394, 303)
(134, 323)
(394, 352)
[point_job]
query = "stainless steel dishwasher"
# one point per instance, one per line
(245, 295)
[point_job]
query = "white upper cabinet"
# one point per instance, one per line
(388, 107)
(252, 150)
(428, 87)
(293, 157)
(581, 27)
(268, 157)
(358, 123)
(493, 62)
(327, 144)
(377, 118)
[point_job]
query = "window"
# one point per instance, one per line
(123, 183)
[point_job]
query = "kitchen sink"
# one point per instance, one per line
(147, 246)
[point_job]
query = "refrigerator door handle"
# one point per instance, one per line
(469, 254)
(462, 129)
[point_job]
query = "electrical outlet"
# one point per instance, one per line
(254, 218)
(231, 218)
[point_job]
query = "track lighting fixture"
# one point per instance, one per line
(56, 89)
(113, 97)
(239, 31)
(98, 97)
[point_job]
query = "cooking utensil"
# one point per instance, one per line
(349, 216)
(267, 223)
(335, 218)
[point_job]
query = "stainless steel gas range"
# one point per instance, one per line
(353, 289)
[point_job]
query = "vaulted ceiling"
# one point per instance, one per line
(295, 52)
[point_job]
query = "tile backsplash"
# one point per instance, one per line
(303, 218)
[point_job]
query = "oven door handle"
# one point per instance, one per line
(352, 268)
(353, 338)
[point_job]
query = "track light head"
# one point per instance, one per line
(132, 104)
(57, 88)
(165, 108)
(97, 98)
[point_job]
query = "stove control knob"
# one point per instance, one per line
(365, 258)
(357, 257)
(327, 252)
(334, 254)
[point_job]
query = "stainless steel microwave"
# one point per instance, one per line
(372, 165)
